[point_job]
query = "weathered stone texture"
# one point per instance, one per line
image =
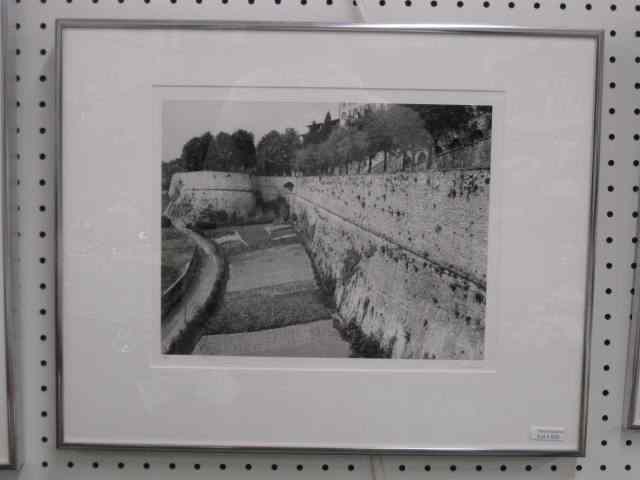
(273, 187)
(411, 307)
(195, 196)
(404, 254)
(442, 215)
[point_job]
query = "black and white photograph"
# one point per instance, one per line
(280, 235)
(327, 230)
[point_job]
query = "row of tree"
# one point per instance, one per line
(389, 130)
(398, 130)
(235, 152)
(223, 152)
(277, 151)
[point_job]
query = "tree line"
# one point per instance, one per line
(234, 152)
(401, 131)
(387, 130)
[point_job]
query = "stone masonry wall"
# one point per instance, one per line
(403, 254)
(273, 187)
(203, 196)
(440, 215)
(410, 307)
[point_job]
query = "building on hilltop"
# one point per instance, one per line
(349, 112)
(319, 132)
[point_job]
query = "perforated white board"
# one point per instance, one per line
(612, 453)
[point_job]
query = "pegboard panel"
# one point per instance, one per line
(612, 453)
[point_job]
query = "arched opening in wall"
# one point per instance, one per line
(289, 186)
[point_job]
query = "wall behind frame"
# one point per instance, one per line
(612, 454)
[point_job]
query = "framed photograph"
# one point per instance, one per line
(358, 238)
(9, 458)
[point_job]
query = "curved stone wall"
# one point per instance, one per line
(210, 197)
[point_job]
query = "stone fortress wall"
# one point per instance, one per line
(440, 215)
(404, 254)
(202, 195)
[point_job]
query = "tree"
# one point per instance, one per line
(168, 169)
(408, 132)
(363, 122)
(194, 152)
(439, 120)
(291, 143)
(328, 154)
(308, 161)
(276, 152)
(337, 148)
(358, 147)
(212, 159)
(224, 146)
(244, 151)
(348, 145)
(269, 152)
(302, 161)
(378, 127)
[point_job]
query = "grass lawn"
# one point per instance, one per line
(271, 282)
(177, 250)
(268, 307)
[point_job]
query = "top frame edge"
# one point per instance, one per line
(148, 24)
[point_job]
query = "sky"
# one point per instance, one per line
(183, 120)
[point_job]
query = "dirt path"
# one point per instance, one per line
(198, 292)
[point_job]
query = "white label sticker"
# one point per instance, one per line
(547, 434)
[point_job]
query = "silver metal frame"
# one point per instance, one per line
(595, 35)
(632, 385)
(10, 326)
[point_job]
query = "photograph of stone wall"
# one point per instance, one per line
(293, 229)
